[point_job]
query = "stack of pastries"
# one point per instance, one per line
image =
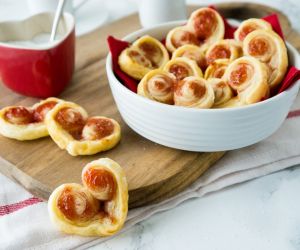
(198, 68)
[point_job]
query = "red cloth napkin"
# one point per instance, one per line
(292, 75)
(117, 46)
(274, 21)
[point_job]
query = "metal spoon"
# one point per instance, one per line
(58, 12)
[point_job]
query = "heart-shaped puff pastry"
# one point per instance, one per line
(223, 92)
(192, 52)
(268, 47)
(26, 123)
(182, 67)
(216, 69)
(70, 128)
(194, 92)
(250, 25)
(158, 85)
(249, 78)
(223, 49)
(145, 54)
(98, 208)
(205, 26)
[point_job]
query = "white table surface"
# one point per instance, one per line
(260, 214)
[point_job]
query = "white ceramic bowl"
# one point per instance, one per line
(203, 130)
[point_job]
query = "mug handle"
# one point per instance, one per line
(79, 4)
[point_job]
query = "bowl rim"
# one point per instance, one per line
(69, 18)
(168, 107)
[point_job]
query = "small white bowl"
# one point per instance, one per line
(202, 130)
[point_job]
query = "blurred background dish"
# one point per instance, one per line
(29, 63)
(89, 15)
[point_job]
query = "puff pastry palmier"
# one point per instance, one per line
(268, 47)
(223, 49)
(249, 78)
(216, 69)
(180, 36)
(223, 92)
(99, 208)
(145, 54)
(192, 52)
(250, 25)
(194, 92)
(158, 85)
(26, 123)
(207, 25)
(182, 67)
(71, 129)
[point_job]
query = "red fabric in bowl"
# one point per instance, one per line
(117, 46)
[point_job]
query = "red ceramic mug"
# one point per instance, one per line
(32, 69)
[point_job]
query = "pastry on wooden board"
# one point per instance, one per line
(70, 128)
(249, 78)
(194, 92)
(158, 85)
(26, 123)
(144, 55)
(268, 47)
(250, 25)
(98, 208)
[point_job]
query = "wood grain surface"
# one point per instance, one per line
(154, 172)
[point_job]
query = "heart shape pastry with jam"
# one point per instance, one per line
(26, 123)
(145, 54)
(72, 129)
(269, 48)
(249, 78)
(204, 27)
(98, 208)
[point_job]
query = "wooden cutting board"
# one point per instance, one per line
(154, 172)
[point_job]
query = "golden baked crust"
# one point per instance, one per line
(157, 85)
(144, 55)
(192, 52)
(79, 141)
(250, 25)
(231, 103)
(194, 92)
(216, 69)
(182, 67)
(90, 147)
(32, 129)
(98, 208)
(223, 92)
(249, 78)
(223, 49)
(268, 47)
(207, 25)
(180, 36)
